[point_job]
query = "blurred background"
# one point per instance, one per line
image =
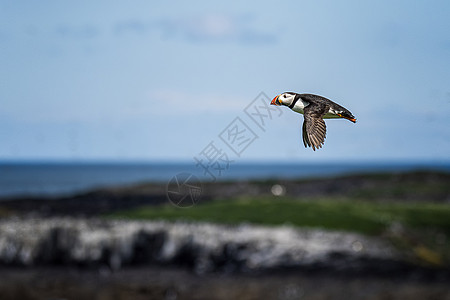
(157, 81)
(113, 112)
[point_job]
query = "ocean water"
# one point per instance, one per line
(56, 179)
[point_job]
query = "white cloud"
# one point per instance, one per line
(201, 28)
(213, 26)
(217, 28)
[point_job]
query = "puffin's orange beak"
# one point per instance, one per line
(350, 119)
(275, 101)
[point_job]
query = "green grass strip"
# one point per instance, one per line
(336, 214)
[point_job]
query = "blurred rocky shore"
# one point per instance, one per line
(201, 247)
(65, 248)
(110, 259)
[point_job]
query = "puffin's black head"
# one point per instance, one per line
(284, 99)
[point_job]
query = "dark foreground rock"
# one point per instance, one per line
(174, 283)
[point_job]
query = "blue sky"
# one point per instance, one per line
(161, 80)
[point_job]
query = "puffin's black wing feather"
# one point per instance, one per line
(314, 128)
(306, 141)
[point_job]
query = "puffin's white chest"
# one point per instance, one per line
(299, 106)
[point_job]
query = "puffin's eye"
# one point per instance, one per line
(284, 96)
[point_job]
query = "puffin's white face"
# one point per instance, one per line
(283, 99)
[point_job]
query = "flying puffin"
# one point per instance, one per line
(314, 109)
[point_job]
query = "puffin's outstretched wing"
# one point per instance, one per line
(314, 128)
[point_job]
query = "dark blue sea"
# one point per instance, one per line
(19, 179)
